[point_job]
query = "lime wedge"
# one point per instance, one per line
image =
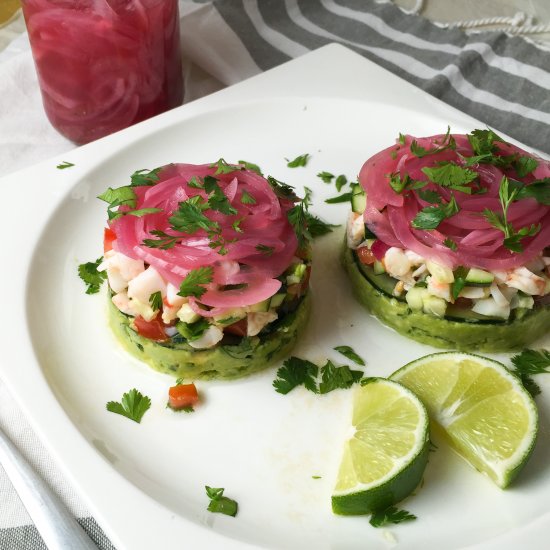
(483, 409)
(384, 460)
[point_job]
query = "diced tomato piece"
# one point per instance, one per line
(183, 395)
(365, 255)
(239, 328)
(108, 237)
(154, 329)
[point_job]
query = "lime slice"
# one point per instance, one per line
(385, 458)
(483, 409)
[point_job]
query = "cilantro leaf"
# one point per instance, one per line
(217, 199)
(449, 243)
(525, 165)
(296, 372)
(247, 198)
(282, 190)
(513, 242)
(251, 166)
(431, 216)
(155, 300)
(145, 177)
(64, 165)
(333, 378)
(189, 217)
(483, 142)
(390, 515)
(120, 196)
(448, 142)
(222, 167)
(192, 331)
(344, 197)
(405, 183)
(402, 139)
(300, 160)
(451, 175)
(298, 218)
(316, 226)
(428, 195)
(326, 177)
(196, 183)
(164, 242)
(192, 284)
(220, 504)
(531, 361)
(91, 276)
(133, 405)
(341, 180)
(265, 250)
(538, 189)
(348, 352)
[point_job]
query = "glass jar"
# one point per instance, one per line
(104, 65)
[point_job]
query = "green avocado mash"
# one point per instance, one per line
(464, 334)
(249, 355)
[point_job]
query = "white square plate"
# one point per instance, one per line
(145, 483)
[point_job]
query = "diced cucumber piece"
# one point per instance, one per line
(434, 305)
(276, 300)
(378, 268)
(415, 298)
(522, 300)
(260, 307)
(478, 277)
(231, 316)
(296, 275)
(358, 199)
(187, 315)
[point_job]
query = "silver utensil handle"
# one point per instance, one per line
(58, 528)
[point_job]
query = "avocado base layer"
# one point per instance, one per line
(466, 335)
(227, 362)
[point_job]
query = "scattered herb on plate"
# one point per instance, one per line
(133, 405)
(390, 515)
(300, 160)
(64, 165)
(220, 504)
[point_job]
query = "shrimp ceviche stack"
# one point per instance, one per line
(448, 241)
(208, 268)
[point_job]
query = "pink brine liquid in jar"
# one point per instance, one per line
(104, 65)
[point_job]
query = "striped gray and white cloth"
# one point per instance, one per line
(501, 80)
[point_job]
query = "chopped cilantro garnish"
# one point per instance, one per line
(401, 139)
(193, 283)
(390, 515)
(326, 177)
(247, 198)
(301, 372)
(525, 165)
(538, 190)
(333, 377)
(133, 405)
(220, 504)
(64, 165)
(348, 352)
(431, 216)
(91, 276)
(317, 227)
(145, 177)
(405, 183)
(428, 195)
(164, 242)
(296, 372)
(222, 167)
(251, 166)
(451, 175)
(341, 180)
(192, 331)
(449, 243)
(300, 160)
(448, 142)
(189, 216)
(265, 250)
(344, 197)
(282, 190)
(530, 362)
(512, 238)
(155, 300)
